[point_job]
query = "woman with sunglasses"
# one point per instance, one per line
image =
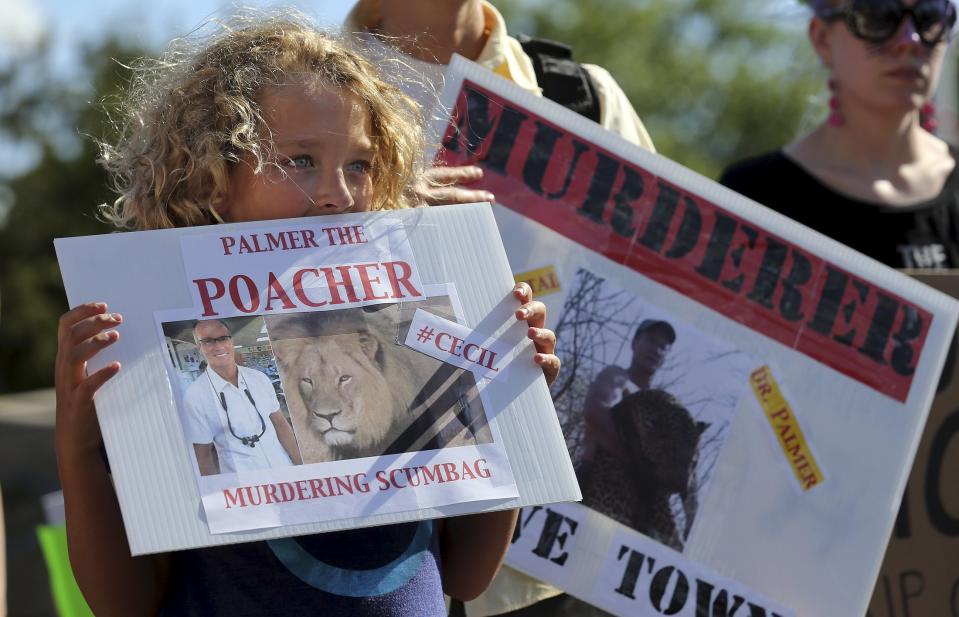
(872, 176)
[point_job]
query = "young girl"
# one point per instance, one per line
(269, 120)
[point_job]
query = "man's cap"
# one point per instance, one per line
(658, 324)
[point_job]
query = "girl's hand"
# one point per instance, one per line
(83, 332)
(533, 312)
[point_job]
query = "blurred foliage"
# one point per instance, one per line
(713, 80)
(50, 119)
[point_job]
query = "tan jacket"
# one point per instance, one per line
(504, 55)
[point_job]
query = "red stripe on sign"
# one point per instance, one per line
(677, 238)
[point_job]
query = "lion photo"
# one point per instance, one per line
(354, 390)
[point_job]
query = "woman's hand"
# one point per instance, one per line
(442, 186)
(83, 332)
(533, 312)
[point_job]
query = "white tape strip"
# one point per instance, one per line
(456, 344)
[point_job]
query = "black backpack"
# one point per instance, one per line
(562, 79)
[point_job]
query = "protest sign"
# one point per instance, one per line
(742, 397)
(920, 572)
(274, 379)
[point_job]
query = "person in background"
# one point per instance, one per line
(873, 175)
(413, 41)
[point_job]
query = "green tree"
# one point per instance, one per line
(50, 119)
(713, 80)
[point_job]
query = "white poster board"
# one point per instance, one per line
(305, 375)
(799, 373)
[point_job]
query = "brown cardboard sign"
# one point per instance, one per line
(920, 573)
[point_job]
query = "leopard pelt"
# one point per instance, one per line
(610, 491)
(660, 439)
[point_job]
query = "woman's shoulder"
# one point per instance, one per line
(775, 180)
(949, 194)
(762, 170)
(950, 187)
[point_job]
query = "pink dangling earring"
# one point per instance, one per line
(835, 116)
(927, 117)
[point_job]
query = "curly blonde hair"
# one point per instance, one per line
(193, 114)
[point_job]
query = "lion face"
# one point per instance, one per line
(334, 383)
(354, 391)
(341, 400)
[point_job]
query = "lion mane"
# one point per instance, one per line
(353, 391)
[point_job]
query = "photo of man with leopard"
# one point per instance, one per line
(645, 403)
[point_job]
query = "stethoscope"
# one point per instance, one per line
(252, 439)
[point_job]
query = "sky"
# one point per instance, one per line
(73, 23)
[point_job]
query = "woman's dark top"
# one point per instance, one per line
(923, 235)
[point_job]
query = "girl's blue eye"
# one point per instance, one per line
(300, 161)
(362, 167)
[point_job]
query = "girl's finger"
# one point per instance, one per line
(68, 372)
(89, 386)
(75, 372)
(91, 326)
(550, 365)
(455, 175)
(533, 313)
(523, 292)
(76, 314)
(543, 338)
(445, 196)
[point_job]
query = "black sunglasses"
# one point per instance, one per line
(877, 21)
